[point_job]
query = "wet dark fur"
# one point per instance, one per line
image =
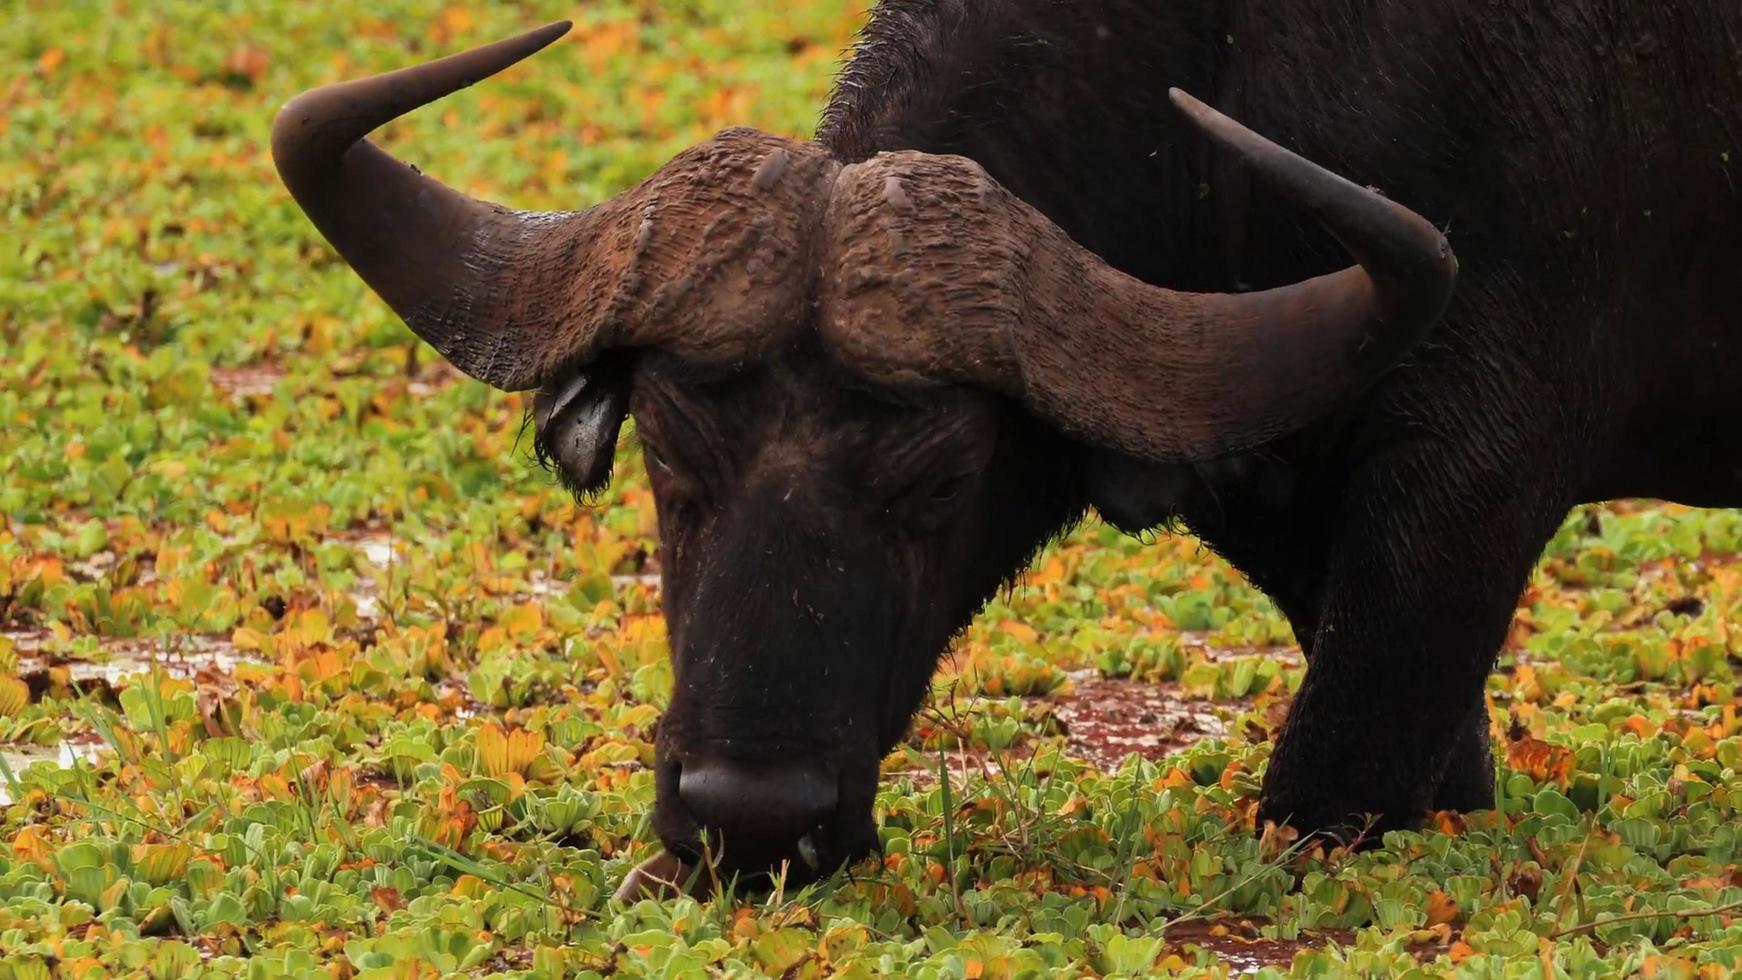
(1583, 157)
(822, 540)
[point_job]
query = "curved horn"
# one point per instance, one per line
(695, 258)
(461, 272)
(941, 275)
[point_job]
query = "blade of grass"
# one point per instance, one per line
(950, 844)
(1610, 920)
(465, 865)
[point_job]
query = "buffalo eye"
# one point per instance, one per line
(676, 487)
(675, 492)
(653, 459)
(948, 489)
(927, 505)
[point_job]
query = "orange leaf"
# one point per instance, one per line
(30, 846)
(523, 747)
(1441, 908)
(14, 696)
(247, 638)
(1541, 760)
(455, 21)
(523, 621)
(1640, 726)
(492, 745)
(387, 898)
(1176, 778)
(247, 62)
(309, 627)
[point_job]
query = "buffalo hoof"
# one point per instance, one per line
(1337, 826)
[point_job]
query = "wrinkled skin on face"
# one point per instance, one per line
(822, 539)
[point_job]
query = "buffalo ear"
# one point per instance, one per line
(577, 421)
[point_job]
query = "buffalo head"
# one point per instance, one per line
(865, 393)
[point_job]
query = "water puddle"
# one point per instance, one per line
(47, 664)
(1239, 947)
(384, 551)
(188, 656)
(247, 381)
(380, 550)
(650, 581)
(18, 758)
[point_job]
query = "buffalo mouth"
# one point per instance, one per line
(757, 824)
(814, 856)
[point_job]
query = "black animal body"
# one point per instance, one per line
(929, 380)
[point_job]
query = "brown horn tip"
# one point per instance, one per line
(699, 257)
(314, 128)
(449, 265)
(1411, 262)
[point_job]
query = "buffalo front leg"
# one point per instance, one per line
(1467, 782)
(1422, 577)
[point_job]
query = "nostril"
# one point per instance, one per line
(760, 808)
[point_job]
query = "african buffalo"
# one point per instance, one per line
(1009, 281)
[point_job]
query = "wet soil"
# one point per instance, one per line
(1107, 720)
(964, 765)
(1239, 944)
(1289, 656)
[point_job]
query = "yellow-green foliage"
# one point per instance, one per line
(378, 696)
